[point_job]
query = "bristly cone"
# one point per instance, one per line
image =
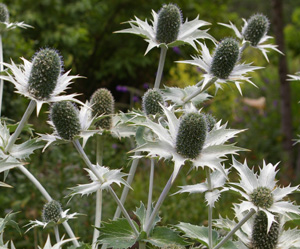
(64, 116)
(168, 25)
(258, 26)
(103, 103)
(151, 102)
(191, 135)
(261, 239)
(225, 58)
(46, 68)
(51, 211)
(4, 14)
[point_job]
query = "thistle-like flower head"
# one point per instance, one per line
(41, 80)
(261, 192)
(169, 139)
(222, 67)
(254, 32)
(52, 211)
(152, 101)
(4, 14)
(103, 103)
(69, 123)
(167, 29)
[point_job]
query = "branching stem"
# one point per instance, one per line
(161, 64)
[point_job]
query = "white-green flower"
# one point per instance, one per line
(164, 143)
(5, 25)
(260, 44)
(20, 76)
(85, 121)
(285, 239)
(108, 177)
(261, 192)
(57, 245)
(64, 217)
(237, 75)
(213, 193)
(189, 32)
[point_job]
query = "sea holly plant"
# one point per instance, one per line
(170, 126)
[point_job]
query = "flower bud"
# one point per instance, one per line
(151, 100)
(257, 27)
(64, 116)
(4, 14)
(46, 68)
(225, 57)
(168, 24)
(191, 135)
(51, 211)
(262, 197)
(103, 104)
(210, 122)
(261, 239)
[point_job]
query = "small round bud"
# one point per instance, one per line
(103, 104)
(210, 122)
(168, 24)
(64, 116)
(151, 102)
(191, 135)
(262, 197)
(51, 211)
(225, 57)
(261, 239)
(46, 68)
(257, 27)
(4, 14)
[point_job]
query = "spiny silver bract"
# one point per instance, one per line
(168, 25)
(225, 58)
(258, 26)
(102, 103)
(46, 68)
(151, 102)
(191, 135)
(64, 116)
(4, 14)
(262, 197)
(52, 211)
(261, 238)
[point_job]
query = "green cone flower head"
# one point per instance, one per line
(225, 58)
(151, 102)
(4, 14)
(102, 103)
(64, 116)
(168, 25)
(262, 197)
(258, 26)
(191, 135)
(261, 239)
(46, 68)
(210, 121)
(52, 211)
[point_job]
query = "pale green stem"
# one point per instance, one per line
(56, 231)
(200, 90)
(210, 240)
(200, 82)
(142, 245)
(245, 45)
(161, 198)
(1, 69)
(111, 191)
(98, 211)
(237, 227)
(48, 198)
(26, 115)
(149, 205)
(161, 64)
(130, 177)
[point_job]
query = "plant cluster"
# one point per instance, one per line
(171, 126)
